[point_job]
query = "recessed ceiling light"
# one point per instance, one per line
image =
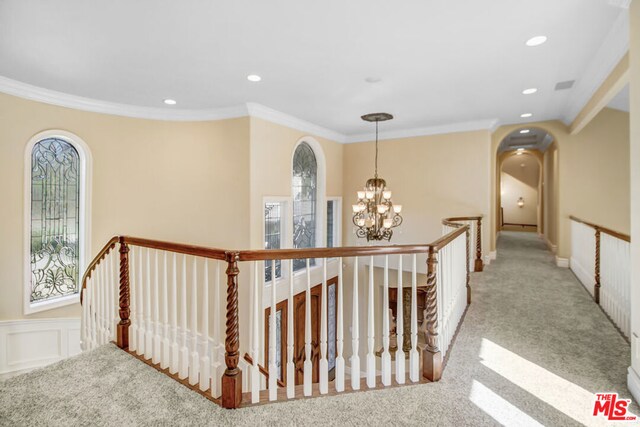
(526, 115)
(254, 78)
(529, 91)
(525, 131)
(170, 101)
(536, 41)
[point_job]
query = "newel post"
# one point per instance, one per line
(431, 355)
(478, 263)
(232, 377)
(468, 258)
(125, 322)
(596, 287)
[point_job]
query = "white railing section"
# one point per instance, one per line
(583, 249)
(615, 281)
(451, 279)
(176, 312)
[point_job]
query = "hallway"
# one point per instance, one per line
(532, 350)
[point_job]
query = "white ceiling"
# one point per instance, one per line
(621, 100)
(442, 64)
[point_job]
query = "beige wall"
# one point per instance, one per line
(174, 181)
(520, 178)
(634, 53)
(550, 190)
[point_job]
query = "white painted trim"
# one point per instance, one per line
(86, 169)
(493, 255)
(633, 384)
(587, 279)
(613, 48)
(562, 262)
(489, 125)
(337, 223)
(33, 343)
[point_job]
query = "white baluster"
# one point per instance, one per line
(386, 356)
(134, 296)
(115, 295)
(157, 339)
(141, 298)
(291, 367)
(83, 319)
(339, 380)
(109, 318)
(103, 308)
(183, 369)
(255, 334)
(174, 360)
(400, 356)
(308, 365)
(205, 363)
(166, 343)
(195, 357)
(273, 366)
(148, 345)
(92, 313)
(371, 334)
(216, 355)
(414, 360)
(355, 333)
(324, 363)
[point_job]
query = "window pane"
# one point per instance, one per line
(272, 236)
(305, 171)
(330, 220)
(55, 183)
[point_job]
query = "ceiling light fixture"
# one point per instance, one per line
(529, 91)
(536, 41)
(374, 214)
(520, 150)
(526, 115)
(525, 131)
(254, 78)
(170, 101)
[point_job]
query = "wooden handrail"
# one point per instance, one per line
(448, 238)
(605, 230)
(111, 244)
(181, 248)
(264, 371)
(346, 251)
(463, 218)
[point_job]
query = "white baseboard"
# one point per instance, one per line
(553, 248)
(30, 344)
(562, 262)
(587, 279)
(491, 256)
(633, 383)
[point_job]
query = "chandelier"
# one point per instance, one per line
(374, 214)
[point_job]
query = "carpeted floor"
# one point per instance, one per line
(532, 350)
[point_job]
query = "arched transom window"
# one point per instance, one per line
(304, 192)
(55, 219)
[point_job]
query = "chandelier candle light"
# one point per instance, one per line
(375, 215)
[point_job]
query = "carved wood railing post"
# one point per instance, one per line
(431, 355)
(232, 378)
(596, 287)
(478, 264)
(468, 259)
(122, 339)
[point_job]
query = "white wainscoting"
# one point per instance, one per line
(30, 344)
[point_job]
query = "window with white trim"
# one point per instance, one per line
(304, 193)
(333, 222)
(273, 235)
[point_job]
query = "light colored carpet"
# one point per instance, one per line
(532, 349)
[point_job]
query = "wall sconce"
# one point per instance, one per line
(520, 202)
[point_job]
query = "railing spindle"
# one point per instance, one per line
(291, 367)
(371, 327)
(479, 264)
(157, 338)
(400, 356)
(414, 362)
(355, 333)
(183, 369)
(273, 367)
(195, 357)
(308, 365)
(205, 363)
(255, 334)
(142, 296)
(166, 343)
(324, 364)
(174, 361)
(217, 352)
(431, 356)
(339, 381)
(232, 378)
(148, 345)
(386, 356)
(134, 297)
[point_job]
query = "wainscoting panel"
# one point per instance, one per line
(30, 344)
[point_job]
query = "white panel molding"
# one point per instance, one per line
(30, 344)
(587, 279)
(489, 125)
(613, 48)
(633, 383)
(562, 262)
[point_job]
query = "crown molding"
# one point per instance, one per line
(269, 114)
(612, 50)
(47, 96)
(489, 125)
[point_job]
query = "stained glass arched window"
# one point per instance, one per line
(55, 219)
(304, 192)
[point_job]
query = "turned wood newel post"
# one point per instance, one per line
(468, 258)
(478, 263)
(232, 378)
(431, 356)
(125, 322)
(596, 287)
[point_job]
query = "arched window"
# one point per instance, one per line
(56, 222)
(304, 192)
